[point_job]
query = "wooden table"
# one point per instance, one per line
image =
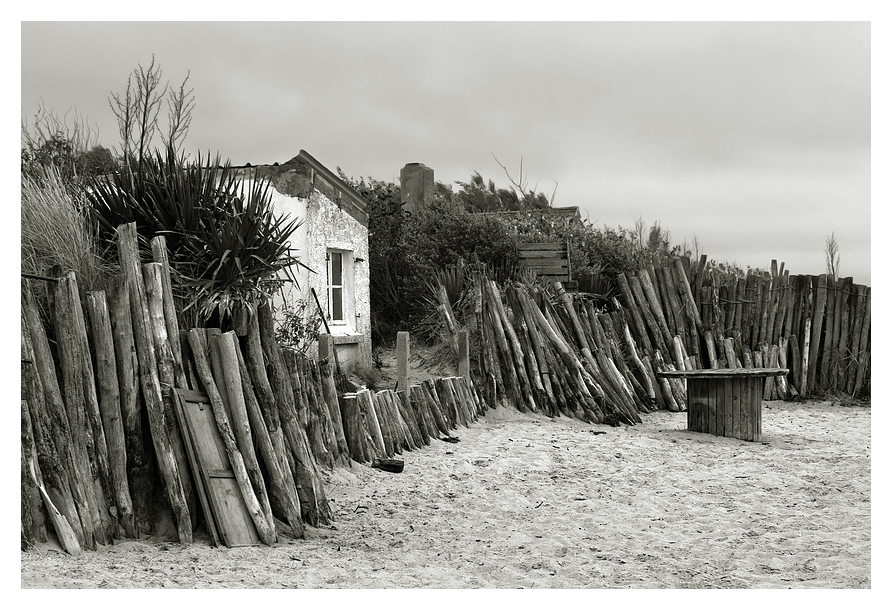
(726, 402)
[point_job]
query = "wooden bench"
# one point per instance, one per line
(726, 402)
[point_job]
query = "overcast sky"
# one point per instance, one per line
(755, 137)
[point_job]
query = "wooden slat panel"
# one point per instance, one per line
(728, 409)
(737, 390)
(757, 409)
(713, 404)
(543, 246)
(230, 512)
(544, 260)
(559, 271)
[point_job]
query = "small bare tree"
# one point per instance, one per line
(520, 185)
(831, 254)
(137, 112)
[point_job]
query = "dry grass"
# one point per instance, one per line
(57, 230)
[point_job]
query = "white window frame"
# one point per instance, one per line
(345, 287)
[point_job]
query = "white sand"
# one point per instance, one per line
(526, 501)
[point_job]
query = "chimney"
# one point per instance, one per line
(416, 186)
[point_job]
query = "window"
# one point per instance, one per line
(337, 303)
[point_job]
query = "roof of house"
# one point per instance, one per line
(299, 176)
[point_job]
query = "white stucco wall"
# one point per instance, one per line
(325, 226)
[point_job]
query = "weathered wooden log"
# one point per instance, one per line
(303, 445)
(408, 415)
(110, 408)
(65, 533)
(817, 326)
(433, 403)
(647, 312)
(805, 383)
(655, 305)
(265, 529)
(573, 378)
(662, 394)
(539, 365)
(284, 412)
(128, 252)
(227, 344)
(465, 415)
(55, 450)
(32, 522)
(353, 428)
(365, 400)
(139, 462)
(97, 447)
(508, 341)
(645, 388)
(733, 362)
(426, 426)
(71, 364)
(449, 402)
(388, 465)
(290, 358)
(863, 345)
(637, 319)
(402, 359)
(160, 256)
(330, 394)
(449, 320)
(153, 280)
(321, 416)
(405, 442)
(383, 417)
(283, 493)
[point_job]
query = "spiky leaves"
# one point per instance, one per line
(227, 245)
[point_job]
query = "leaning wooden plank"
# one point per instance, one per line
(110, 408)
(201, 481)
(128, 252)
(265, 530)
(231, 514)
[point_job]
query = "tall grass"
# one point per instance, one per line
(57, 229)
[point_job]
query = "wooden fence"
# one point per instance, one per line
(550, 351)
(817, 327)
(105, 428)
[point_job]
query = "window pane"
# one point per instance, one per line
(337, 304)
(336, 275)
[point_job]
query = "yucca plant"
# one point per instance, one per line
(227, 245)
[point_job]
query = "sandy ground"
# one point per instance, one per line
(527, 501)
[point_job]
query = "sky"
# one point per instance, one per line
(752, 137)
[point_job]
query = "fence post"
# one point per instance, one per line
(402, 361)
(326, 346)
(464, 357)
